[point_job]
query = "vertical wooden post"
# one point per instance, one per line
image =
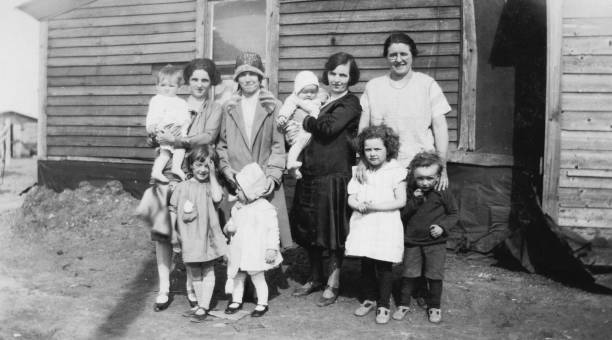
(469, 73)
(272, 51)
(552, 142)
(207, 33)
(199, 29)
(42, 91)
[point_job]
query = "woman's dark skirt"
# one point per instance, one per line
(320, 213)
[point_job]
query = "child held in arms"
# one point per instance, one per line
(305, 100)
(168, 112)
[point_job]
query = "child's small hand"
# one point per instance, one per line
(270, 256)
(435, 230)
(363, 207)
(418, 193)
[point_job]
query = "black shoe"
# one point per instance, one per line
(197, 318)
(323, 301)
(233, 310)
(257, 313)
(190, 312)
(308, 288)
(158, 307)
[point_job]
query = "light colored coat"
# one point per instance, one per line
(256, 227)
(266, 148)
(267, 144)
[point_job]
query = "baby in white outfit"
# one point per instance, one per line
(306, 100)
(168, 112)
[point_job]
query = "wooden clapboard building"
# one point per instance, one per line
(578, 163)
(99, 59)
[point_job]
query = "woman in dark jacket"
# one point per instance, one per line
(320, 214)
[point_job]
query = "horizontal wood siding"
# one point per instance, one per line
(310, 31)
(101, 62)
(585, 177)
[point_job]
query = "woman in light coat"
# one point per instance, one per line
(249, 134)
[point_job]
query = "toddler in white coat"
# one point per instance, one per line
(254, 245)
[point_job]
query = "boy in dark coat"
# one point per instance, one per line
(427, 217)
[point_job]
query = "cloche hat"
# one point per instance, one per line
(248, 61)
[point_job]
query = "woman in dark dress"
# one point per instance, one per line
(320, 214)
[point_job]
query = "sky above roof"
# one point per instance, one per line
(19, 38)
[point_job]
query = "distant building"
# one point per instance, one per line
(21, 134)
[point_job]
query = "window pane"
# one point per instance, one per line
(238, 26)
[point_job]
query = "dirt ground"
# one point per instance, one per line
(78, 265)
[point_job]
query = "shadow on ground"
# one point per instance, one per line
(132, 303)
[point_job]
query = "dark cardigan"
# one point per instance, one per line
(435, 207)
(330, 150)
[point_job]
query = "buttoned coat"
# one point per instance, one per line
(266, 148)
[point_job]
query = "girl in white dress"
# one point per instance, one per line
(376, 230)
(254, 247)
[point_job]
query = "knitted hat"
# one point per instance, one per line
(252, 181)
(303, 79)
(248, 61)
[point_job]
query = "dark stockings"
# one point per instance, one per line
(315, 256)
(409, 284)
(377, 281)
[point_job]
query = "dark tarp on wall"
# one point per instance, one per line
(59, 175)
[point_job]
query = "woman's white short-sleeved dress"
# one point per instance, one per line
(377, 235)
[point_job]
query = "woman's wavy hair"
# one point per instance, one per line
(389, 138)
(341, 58)
(203, 64)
